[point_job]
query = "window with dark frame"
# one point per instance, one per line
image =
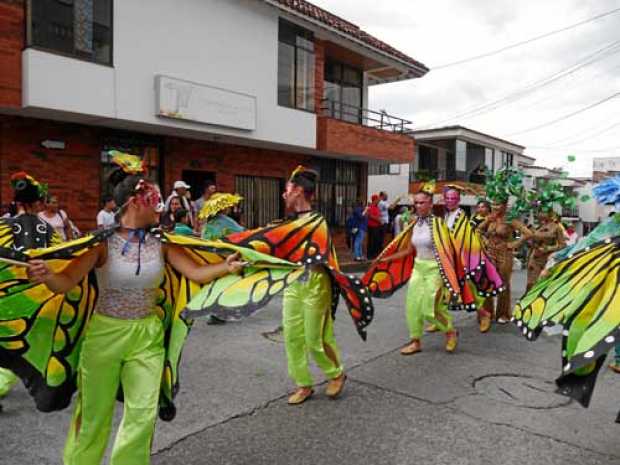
(343, 92)
(295, 67)
(76, 28)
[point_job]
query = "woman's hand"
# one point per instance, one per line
(38, 271)
(233, 264)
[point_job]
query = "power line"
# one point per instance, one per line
(565, 117)
(540, 147)
(568, 144)
(609, 49)
(525, 42)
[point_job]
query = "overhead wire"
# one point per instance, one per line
(567, 116)
(526, 41)
(599, 54)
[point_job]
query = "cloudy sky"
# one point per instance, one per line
(437, 32)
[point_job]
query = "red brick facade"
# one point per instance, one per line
(74, 174)
(336, 136)
(12, 43)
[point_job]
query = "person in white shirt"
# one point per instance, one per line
(180, 190)
(106, 217)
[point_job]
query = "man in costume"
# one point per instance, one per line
(424, 255)
(482, 276)
(309, 305)
(581, 293)
(22, 232)
(106, 312)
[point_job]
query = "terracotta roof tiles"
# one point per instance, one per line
(329, 19)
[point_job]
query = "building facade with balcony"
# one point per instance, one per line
(457, 153)
(239, 92)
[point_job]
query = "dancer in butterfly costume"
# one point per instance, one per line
(483, 278)
(104, 312)
(22, 232)
(309, 304)
(581, 293)
(425, 256)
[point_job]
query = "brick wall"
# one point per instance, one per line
(319, 74)
(226, 161)
(340, 137)
(12, 42)
(73, 174)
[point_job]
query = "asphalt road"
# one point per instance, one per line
(492, 402)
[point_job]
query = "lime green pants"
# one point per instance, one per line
(423, 299)
(7, 381)
(309, 328)
(115, 352)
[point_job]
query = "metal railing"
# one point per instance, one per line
(369, 118)
(570, 212)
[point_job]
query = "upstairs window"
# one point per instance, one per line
(344, 90)
(295, 67)
(77, 28)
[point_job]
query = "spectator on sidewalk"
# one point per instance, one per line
(359, 226)
(208, 190)
(57, 218)
(106, 217)
(181, 223)
(181, 191)
(375, 227)
(167, 220)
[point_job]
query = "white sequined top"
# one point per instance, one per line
(122, 293)
(422, 239)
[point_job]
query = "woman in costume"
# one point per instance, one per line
(424, 255)
(500, 228)
(581, 293)
(309, 304)
(216, 223)
(22, 232)
(124, 320)
(124, 343)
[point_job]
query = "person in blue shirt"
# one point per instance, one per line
(358, 228)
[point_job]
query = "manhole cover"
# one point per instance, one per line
(521, 391)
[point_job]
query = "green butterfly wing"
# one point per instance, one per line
(41, 332)
(581, 293)
(229, 297)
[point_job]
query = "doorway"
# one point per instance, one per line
(197, 180)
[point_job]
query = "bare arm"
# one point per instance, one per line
(63, 282)
(403, 253)
(201, 274)
(484, 226)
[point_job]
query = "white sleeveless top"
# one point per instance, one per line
(422, 240)
(122, 293)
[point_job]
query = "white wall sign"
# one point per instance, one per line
(185, 100)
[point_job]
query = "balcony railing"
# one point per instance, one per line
(570, 212)
(369, 118)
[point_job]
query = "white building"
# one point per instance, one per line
(239, 92)
(453, 153)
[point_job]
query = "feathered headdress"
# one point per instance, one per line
(304, 177)
(429, 187)
(503, 185)
(218, 202)
(130, 164)
(27, 189)
(551, 193)
(608, 192)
